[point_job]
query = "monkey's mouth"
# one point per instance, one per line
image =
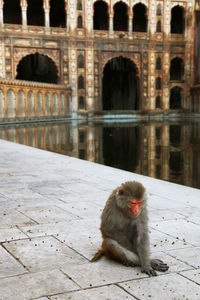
(136, 206)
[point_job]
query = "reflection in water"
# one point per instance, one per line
(169, 151)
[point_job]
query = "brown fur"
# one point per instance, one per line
(125, 236)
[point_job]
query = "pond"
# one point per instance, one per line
(163, 150)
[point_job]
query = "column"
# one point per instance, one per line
(1, 13)
(111, 24)
(130, 25)
(47, 10)
(23, 4)
(67, 15)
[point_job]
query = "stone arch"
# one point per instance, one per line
(1, 104)
(55, 104)
(178, 19)
(120, 81)
(101, 16)
(57, 13)
(37, 67)
(177, 69)
(30, 104)
(120, 21)
(10, 103)
(35, 12)
(20, 104)
(140, 21)
(12, 12)
(176, 98)
(39, 103)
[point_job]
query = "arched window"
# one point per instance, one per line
(80, 22)
(80, 61)
(35, 12)
(159, 9)
(57, 13)
(81, 102)
(12, 12)
(80, 82)
(158, 102)
(158, 63)
(37, 67)
(177, 20)
(158, 26)
(120, 17)
(100, 18)
(176, 98)
(79, 5)
(139, 18)
(158, 83)
(177, 69)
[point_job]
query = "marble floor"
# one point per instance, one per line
(50, 207)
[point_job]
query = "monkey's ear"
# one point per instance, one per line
(121, 192)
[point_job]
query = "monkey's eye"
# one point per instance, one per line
(120, 192)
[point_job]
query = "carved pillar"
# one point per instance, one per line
(151, 17)
(46, 11)
(167, 17)
(24, 5)
(130, 24)
(166, 67)
(111, 20)
(151, 78)
(90, 77)
(1, 12)
(72, 15)
(67, 15)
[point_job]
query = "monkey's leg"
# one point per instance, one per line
(112, 249)
(159, 265)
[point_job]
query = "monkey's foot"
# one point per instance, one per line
(159, 265)
(149, 272)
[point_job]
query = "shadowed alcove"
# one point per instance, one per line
(177, 20)
(139, 18)
(37, 67)
(100, 18)
(120, 85)
(177, 69)
(57, 13)
(120, 17)
(12, 12)
(176, 98)
(35, 12)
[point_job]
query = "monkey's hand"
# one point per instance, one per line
(149, 271)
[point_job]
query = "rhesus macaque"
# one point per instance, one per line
(124, 228)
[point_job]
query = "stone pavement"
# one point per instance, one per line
(50, 208)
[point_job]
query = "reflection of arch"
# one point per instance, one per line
(81, 102)
(57, 13)
(120, 16)
(176, 98)
(101, 17)
(35, 12)
(20, 104)
(177, 69)
(177, 19)
(158, 102)
(1, 104)
(120, 85)
(176, 162)
(10, 101)
(12, 12)
(139, 18)
(37, 67)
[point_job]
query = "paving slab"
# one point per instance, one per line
(102, 293)
(50, 207)
(45, 253)
(35, 285)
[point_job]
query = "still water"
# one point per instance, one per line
(168, 151)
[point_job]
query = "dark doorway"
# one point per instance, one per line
(175, 98)
(35, 13)
(139, 18)
(120, 85)
(175, 135)
(80, 22)
(177, 20)
(57, 13)
(100, 19)
(120, 17)
(12, 12)
(177, 69)
(121, 147)
(37, 67)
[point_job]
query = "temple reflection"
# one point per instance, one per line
(168, 151)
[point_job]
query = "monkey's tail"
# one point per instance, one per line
(98, 255)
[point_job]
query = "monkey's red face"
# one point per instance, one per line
(136, 206)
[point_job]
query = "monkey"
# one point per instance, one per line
(124, 229)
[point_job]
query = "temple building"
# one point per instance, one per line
(87, 58)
